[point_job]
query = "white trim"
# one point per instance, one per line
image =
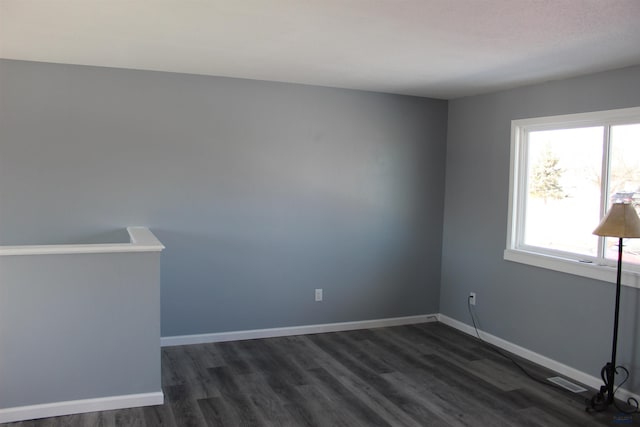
(561, 368)
(144, 239)
(141, 240)
(45, 410)
(516, 250)
(616, 116)
(604, 273)
(157, 398)
(514, 185)
(294, 330)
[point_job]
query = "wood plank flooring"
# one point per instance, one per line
(418, 375)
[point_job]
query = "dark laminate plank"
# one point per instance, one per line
(340, 396)
(201, 387)
(417, 375)
(498, 374)
(396, 395)
(541, 418)
(91, 419)
(452, 413)
(204, 356)
(297, 350)
(132, 417)
(271, 358)
(186, 413)
(318, 404)
(99, 419)
(483, 393)
(171, 370)
(427, 384)
(270, 408)
(281, 380)
(424, 404)
(373, 361)
(159, 415)
(466, 385)
(189, 368)
(183, 406)
(68, 421)
(187, 364)
(379, 403)
(233, 398)
(452, 348)
(232, 359)
(196, 361)
(367, 394)
(567, 408)
(50, 422)
(293, 401)
(396, 338)
(217, 413)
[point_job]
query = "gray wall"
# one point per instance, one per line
(78, 327)
(565, 317)
(260, 191)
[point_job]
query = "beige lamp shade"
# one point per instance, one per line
(621, 221)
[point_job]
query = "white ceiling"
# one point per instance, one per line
(434, 48)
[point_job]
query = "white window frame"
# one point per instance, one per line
(516, 251)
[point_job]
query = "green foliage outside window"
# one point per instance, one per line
(546, 175)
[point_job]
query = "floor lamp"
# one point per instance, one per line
(622, 222)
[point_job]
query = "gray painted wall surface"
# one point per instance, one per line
(561, 316)
(78, 327)
(260, 191)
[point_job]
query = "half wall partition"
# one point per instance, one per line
(79, 327)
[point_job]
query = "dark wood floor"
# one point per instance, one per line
(419, 375)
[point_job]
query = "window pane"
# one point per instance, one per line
(624, 183)
(562, 205)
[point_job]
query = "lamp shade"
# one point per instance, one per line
(621, 221)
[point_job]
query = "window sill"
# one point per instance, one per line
(572, 266)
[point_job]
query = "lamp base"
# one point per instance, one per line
(605, 397)
(600, 401)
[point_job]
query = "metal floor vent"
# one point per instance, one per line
(567, 384)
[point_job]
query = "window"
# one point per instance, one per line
(565, 173)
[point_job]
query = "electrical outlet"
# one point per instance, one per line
(318, 295)
(472, 298)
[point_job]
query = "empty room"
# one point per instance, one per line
(319, 213)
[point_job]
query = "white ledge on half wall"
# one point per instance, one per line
(141, 239)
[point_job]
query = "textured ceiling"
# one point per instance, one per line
(434, 48)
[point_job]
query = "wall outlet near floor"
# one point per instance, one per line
(318, 295)
(472, 298)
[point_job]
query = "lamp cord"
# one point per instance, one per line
(632, 402)
(508, 357)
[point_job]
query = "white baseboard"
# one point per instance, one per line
(561, 368)
(294, 330)
(148, 399)
(55, 409)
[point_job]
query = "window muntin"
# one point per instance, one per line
(624, 183)
(566, 171)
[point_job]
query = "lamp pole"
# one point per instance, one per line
(621, 221)
(611, 372)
